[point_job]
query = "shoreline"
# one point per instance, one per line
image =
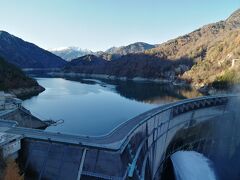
(113, 77)
(205, 90)
(26, 92)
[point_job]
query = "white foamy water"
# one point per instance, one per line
(191, 165)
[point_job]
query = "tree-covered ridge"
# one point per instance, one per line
(12, 77)
(211, 48)
(218, 64)
(129, 66)
(195, 44)
(26, 55)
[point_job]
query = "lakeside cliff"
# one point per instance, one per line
(13, 80)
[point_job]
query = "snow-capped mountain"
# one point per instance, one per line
(70, 53)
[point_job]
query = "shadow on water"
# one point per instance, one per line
(147, 92)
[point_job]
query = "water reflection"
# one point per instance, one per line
(147, 92)
(94, 107)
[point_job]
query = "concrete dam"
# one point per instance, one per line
(140, 148)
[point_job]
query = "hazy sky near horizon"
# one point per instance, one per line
(101, 24)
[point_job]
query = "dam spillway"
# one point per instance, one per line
(139, 148)
(190, 165)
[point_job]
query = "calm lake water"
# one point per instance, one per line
(94, 107)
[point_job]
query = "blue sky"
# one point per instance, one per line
(100, 24)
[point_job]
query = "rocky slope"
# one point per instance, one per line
(26, 55)
(13, 80)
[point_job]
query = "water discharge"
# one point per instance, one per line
(191, 165)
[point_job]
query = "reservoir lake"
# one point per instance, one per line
(95, 107)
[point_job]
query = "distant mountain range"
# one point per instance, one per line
(27, 55)
(69, 53)
(203, 57)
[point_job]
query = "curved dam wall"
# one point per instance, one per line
(156, 139)
(144, 150)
